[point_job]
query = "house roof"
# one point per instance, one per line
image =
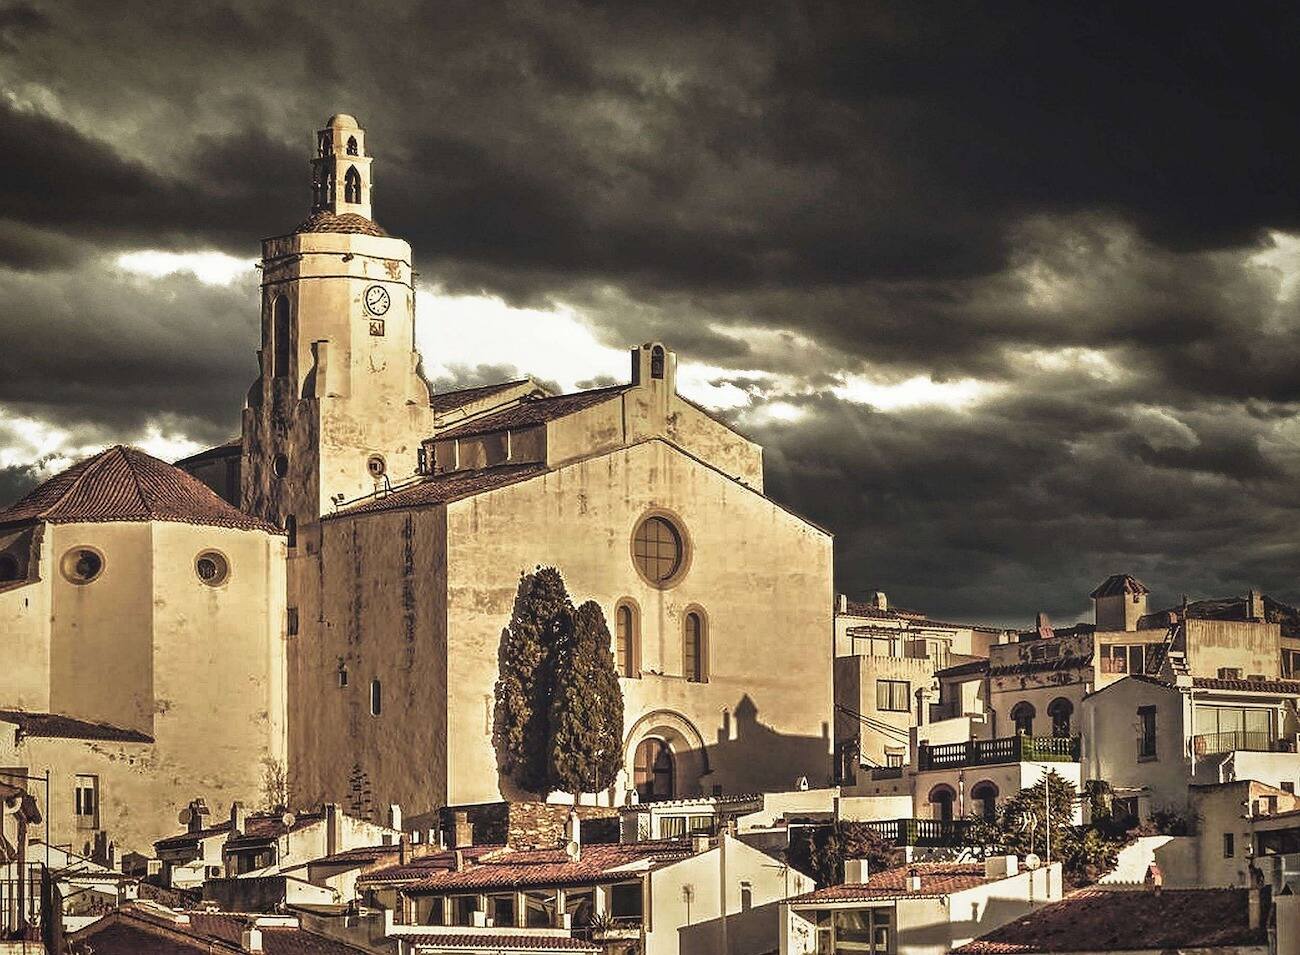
(1100, 920)
(57, 726)
(453, 941)
(125, 484)
(258, 827)
(978, 665)
(362, 855)
(232, 447)
(347, 222)
(1291, 687)
(1117, 584)
(449, 400)
(937, 878)
(141, 930)
(523, 868)
(534, 412)
(420, 867)
(444, 488)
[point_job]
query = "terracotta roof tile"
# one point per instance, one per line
(347, 222)
(937, 878)
(1250, 686)
(484, 941)
(135, 929)
(1099, 920)
(125, 484)
(57, 726)
(444, 488)
(448, 400)
(422, 866)
(1119, 584)
(534, 412)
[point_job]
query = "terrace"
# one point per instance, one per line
(1004, 749)
(928, 833)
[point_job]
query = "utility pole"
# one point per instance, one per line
(1047, 800)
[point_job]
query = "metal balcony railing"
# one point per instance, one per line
(1005, 749)
(1255, 741)
(922, 832)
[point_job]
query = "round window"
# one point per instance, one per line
(212, 568)
(658, 550)
(280, 465)
(376, 466)
(81, 565)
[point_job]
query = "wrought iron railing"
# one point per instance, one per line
(1255, 741)
(922, 832)
(1005, 749)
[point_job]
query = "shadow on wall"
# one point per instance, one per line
(979, 918)
(752, 930)
(750, 756)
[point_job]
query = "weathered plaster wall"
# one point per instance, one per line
(1111, 727)
(761, 575)
(24, 621)
(1251, 647)
(380, 611)
(855, 688)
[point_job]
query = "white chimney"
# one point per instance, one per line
(395, 817)
(250, 940)
(1001, 867)
(913, 880)
(879, 600)
(238, 819)
(842, 603)
(333, 828)
(856, 871)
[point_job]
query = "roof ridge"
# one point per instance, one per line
(133, 467)
(93, 463)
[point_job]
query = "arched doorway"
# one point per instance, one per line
(941, 801)
(1022, 714)
(653, 770)
(985, 795)
(1060, 710)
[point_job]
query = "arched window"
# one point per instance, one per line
(8, 567)
(653, 770)
(352, 185)
(627, 640)
(695, 648)
(1060, 710)
(352, 146)
(985, 795)
(376, 698)
(1022, 714)
(657, 362)
(280, 334)
(941, 800)
(291, 531)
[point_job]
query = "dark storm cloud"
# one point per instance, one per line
(1064, 202)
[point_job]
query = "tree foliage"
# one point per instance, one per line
(584, 748)
(559, 708)
(820, 851)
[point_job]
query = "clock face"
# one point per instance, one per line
(377, 300)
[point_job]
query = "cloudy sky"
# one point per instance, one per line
(1011, 292)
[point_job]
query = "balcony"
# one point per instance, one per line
(1005, 749)
(922, 832)
(1251, 741)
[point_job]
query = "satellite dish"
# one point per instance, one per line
(1032, 861)
(184, 816)
(571, 849)
(288, 819)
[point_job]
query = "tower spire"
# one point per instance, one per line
(341, 169)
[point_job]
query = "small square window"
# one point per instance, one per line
(86, 796)
(1229, 845)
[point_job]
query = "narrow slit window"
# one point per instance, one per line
(376, 698)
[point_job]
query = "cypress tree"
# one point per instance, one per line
(584, 748)
(542, 614)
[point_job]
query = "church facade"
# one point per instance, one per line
(395, 523)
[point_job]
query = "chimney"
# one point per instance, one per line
(395, 817)
(1001, 867)
(879, 600)
(856, 871)
(913, 880)
(1255, 605)
(238, 819)
(403, 849)
(842, 603)
(250, 940)
(458, 856)
(701, 844)
(333, 828)
(1045, 631)
(462, 834)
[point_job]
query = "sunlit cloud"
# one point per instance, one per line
(210, 267)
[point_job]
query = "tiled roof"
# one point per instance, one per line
(56, 726)
(444, 488)
(937, 878)
(363, 855)
(258, 827)
(534, 412)
(452, 941)
(125, 484)
(348, 222)
(1249, 686)
(522, 868)
(1119, 584)
(448, 400)
(422, 866)
(964, 669)
(1098, 920)
(135, 929)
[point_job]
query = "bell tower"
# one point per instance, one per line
(340, 407)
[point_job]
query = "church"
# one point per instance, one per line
(394, 524)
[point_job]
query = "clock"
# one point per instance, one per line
(377, 300)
